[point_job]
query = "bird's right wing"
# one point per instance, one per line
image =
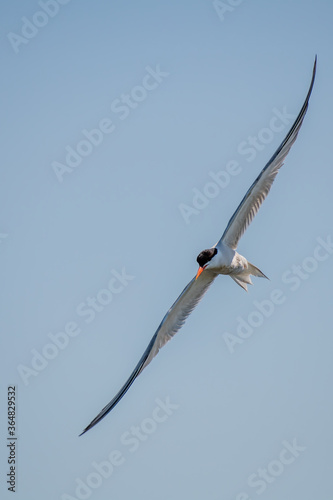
(260, 188)
(170, 324)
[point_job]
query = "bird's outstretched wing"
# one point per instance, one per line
(257, 193)
(170, 324)
(194, 291)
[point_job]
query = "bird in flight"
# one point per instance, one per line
(222, 258)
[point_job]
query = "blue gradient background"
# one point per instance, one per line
(120, 209)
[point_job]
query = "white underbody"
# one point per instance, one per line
(230, 262)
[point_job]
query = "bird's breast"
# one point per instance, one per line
(230, 261)
(225, 258)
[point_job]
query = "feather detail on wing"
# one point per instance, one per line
(171, 323)
(257, 193)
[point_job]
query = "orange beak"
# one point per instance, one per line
(199, 272)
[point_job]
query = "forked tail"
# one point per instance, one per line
(244, 278)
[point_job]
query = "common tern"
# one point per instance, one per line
(222, 258)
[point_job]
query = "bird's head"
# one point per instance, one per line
(206, 260)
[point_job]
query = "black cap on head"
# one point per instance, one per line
(205, 256)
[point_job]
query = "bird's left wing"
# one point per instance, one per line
(257, 193)
(170, 324)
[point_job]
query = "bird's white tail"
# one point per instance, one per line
(255, 271)
(244, 278)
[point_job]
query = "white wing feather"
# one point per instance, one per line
(250, 204)
(170, 324)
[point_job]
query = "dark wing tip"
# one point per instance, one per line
(298, 122)
(137, 370)
(85, 430)
(115, 400)
(313, 73)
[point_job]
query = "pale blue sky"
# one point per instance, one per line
(201, 86)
